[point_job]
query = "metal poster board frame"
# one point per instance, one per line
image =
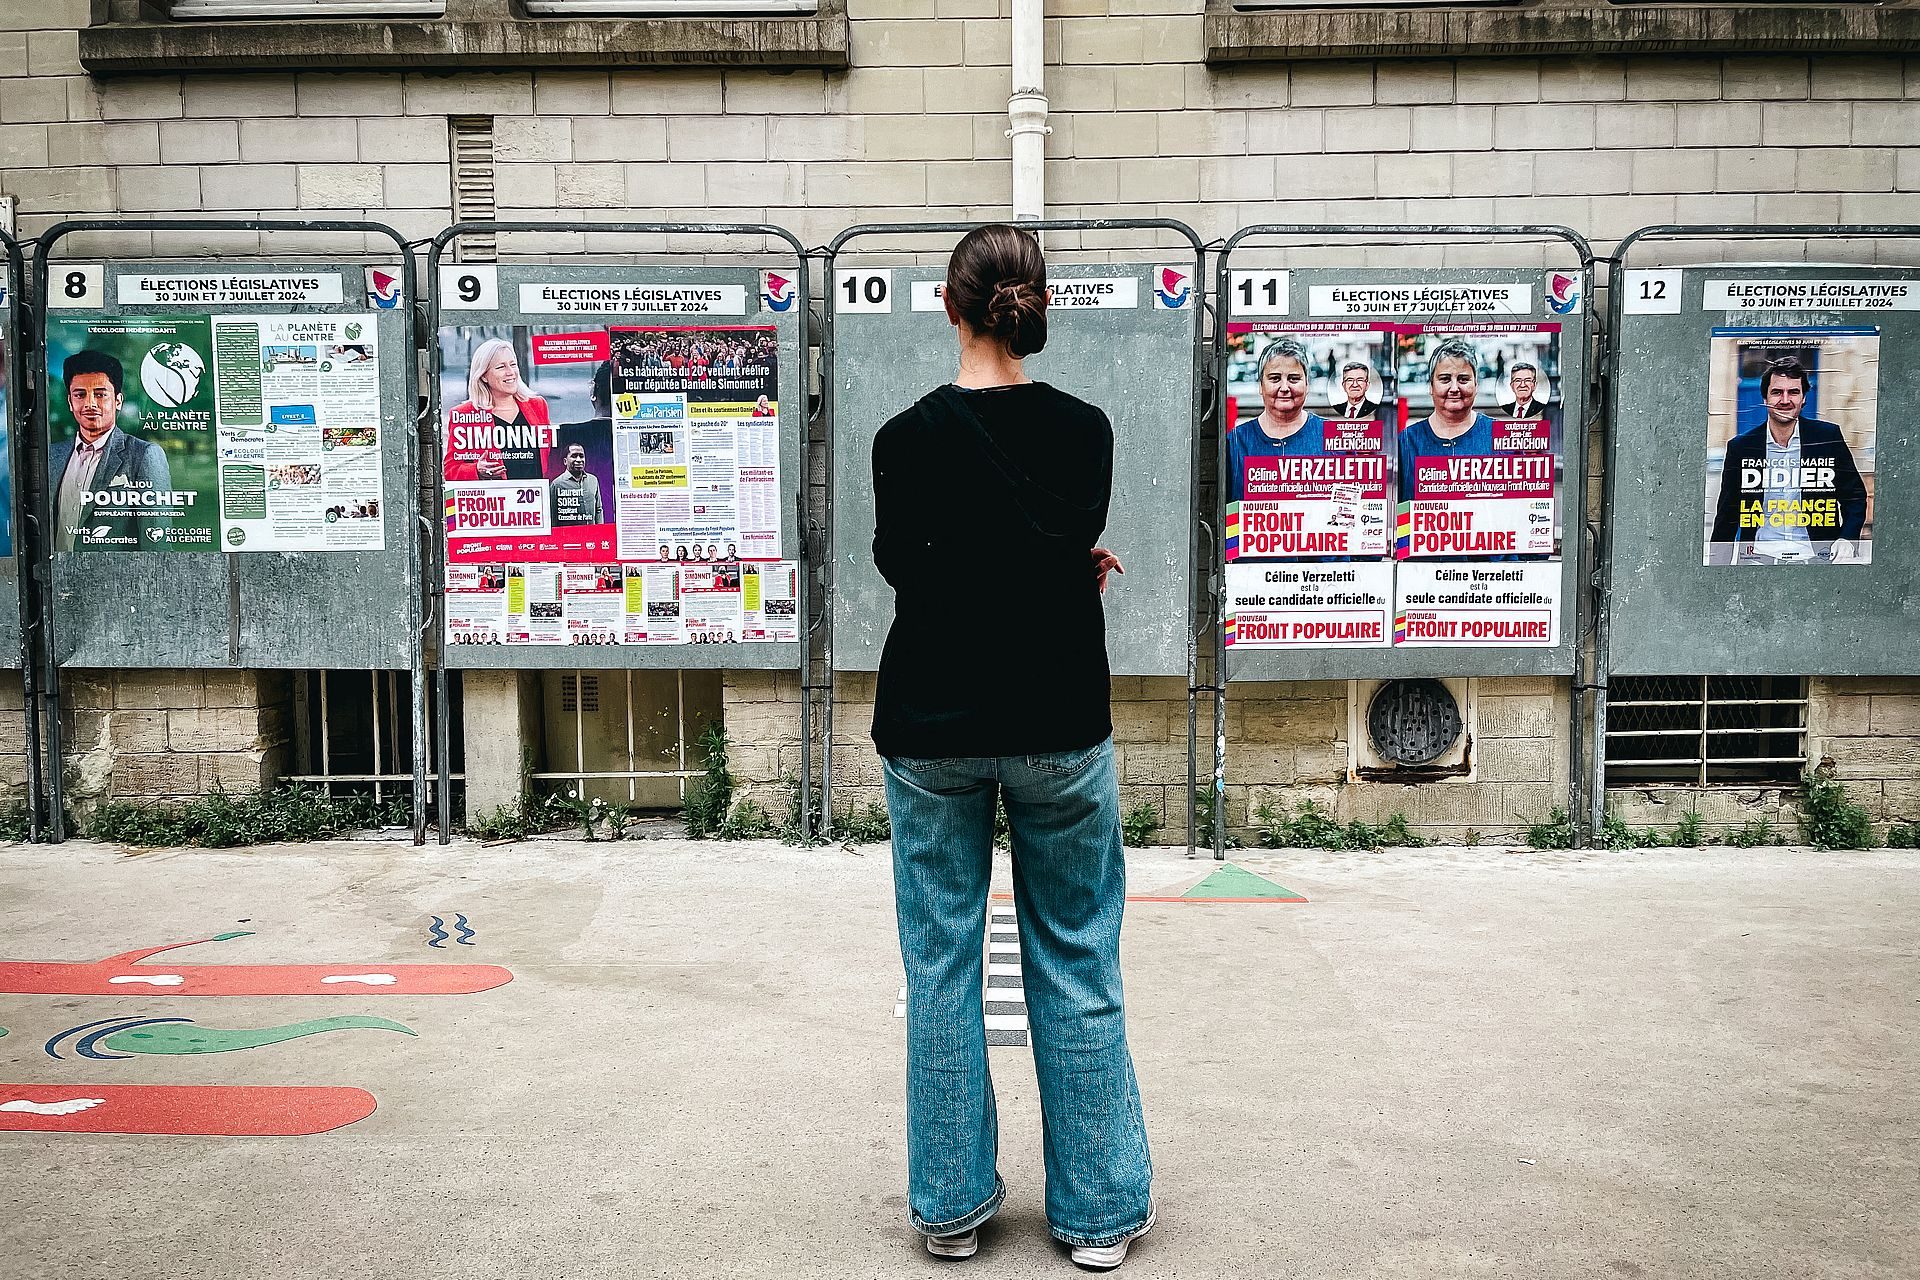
(1679, 615)
(1335, 663)
(266, 612)
(17, 649)
(1132, 257)
(575, 267)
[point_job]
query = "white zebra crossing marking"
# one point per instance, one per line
(1004, 996)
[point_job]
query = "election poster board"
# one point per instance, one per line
(1121, 335)
(616, 461)
(1785, 381)
(10, 446)
(228, 458)
(9, 301)
(1397, 470)
(215, 432)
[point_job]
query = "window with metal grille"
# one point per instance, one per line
(626, 737)
(1706, 730)
(196, 10)
(661, 8)
(353, 733)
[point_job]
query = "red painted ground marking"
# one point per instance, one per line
(191, 1110)
(97, 978)
(1191, 902)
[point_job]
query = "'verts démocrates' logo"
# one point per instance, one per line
(777, 292)
(383, 289)
(171, 374)
(1563, 293)
(1173, 290)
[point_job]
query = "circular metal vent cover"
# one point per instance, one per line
(1413, 721)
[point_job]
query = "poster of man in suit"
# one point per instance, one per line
(130, 460)
(1791, 427)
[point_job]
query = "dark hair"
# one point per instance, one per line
(603, 386)
(997, 283)
(1786, 367)
(91, 361)
(1521, 366)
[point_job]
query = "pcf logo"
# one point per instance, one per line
(1173, 290)
(776, 291)
(1563, 293)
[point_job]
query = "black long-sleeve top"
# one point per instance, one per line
(988, 506)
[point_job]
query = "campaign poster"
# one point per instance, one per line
(1792, 418)
(1479, 471)
(1304, 605)
(205, 433)
(625, 479)
(6, 470)
(1442, 603)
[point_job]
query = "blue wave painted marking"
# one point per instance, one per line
(56, 1039)
(85, 1047)
(466, 934)
(438, 934)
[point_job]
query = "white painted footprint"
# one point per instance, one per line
(371, 979)
(66, 1108)
(155, 980)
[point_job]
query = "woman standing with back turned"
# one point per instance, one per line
(990, 495)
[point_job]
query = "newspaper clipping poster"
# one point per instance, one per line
(627, 476)
(203, 433)
(1792, 419)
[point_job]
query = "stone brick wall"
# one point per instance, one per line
(13, 740)
(1286, 743)
(916, 130)
(1140, 126)
(171, 735)
(1868, 728)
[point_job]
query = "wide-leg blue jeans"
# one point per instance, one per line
(1069, 879)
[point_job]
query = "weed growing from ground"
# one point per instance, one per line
(1556, 832)
(1754, 835)
(1138, 825)
(224, 820)
(1830, 817)
(1311, 827)
(1688, 834)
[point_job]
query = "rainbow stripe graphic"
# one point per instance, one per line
(1403, 530)
(1232, 630)
(1233, 531)
(1399, 628)
(447, 511)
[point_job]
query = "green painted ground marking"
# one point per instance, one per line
(1237, 882)
(186, 1037)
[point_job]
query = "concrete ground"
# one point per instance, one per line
(1450, 1063)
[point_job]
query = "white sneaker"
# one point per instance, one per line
(1105, 1257)
(964, 1245)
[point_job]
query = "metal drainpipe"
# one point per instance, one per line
(1027, 110)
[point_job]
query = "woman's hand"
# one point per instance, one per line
(1105, 562)
(491, 469)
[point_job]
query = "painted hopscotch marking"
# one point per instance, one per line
(1004, 1001)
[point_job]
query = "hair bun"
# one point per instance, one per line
(997, 284)
(1014, 303)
